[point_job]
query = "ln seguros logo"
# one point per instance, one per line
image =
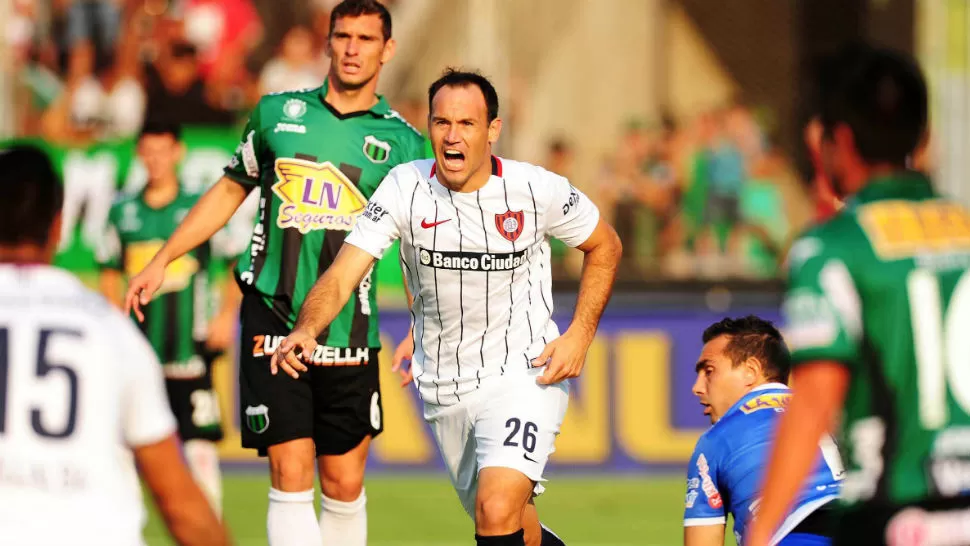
(315, 196)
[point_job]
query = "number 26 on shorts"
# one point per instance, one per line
(528, 435)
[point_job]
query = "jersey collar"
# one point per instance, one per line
(178, 195)
(381, 109)
(496, 167)
(898, 185)
(767, 386)
(745, 398)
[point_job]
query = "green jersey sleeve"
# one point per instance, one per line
(425, 151)
(244, 166)
(822, 307)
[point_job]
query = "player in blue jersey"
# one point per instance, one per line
(742, 377)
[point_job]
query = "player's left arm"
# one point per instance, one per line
(704, 535)
(823, 312)
(575, 220)
(705, 517)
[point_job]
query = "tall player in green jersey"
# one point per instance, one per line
(878, 321)
(178, 325)
(317, 156)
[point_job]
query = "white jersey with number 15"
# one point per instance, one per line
(79, 387)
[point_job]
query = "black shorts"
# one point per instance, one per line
(337, 403)
(195, 404)
(870, 525)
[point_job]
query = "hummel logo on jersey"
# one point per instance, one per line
(472, 261)
(428, 225)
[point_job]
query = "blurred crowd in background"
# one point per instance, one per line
(708, 196)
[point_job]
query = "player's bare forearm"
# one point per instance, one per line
(818, 395)
(704, 535)
(603, 251)
(332, 291)
(209, 214)
(183, 506)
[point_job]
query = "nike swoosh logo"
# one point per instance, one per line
(526, 457)
(427, 225)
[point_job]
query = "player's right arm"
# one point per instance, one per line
(213, 210)
(149, 430)
(376, 229)
(704, 515)
(824, 315)
(210, 213)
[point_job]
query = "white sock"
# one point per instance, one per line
(291, 520)
(344, 523)
(203, 460)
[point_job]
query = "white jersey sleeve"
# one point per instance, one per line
(572, 217)
(380, 224)
(147, 414)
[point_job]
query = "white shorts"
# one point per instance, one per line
(511, 423)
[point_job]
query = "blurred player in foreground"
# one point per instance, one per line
(82, 398)
(879, 316)
(317, 155)
(177, 325)
(742, 382)
(489, 363)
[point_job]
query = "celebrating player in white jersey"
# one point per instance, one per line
(489, 363)
(82, 397)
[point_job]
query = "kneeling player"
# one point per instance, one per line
(741, 382)
(175, 323)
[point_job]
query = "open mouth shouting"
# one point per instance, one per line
(453, 160)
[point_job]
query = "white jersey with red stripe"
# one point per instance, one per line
(79, 387)
(478, 266)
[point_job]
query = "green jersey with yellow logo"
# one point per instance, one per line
(177, 318)
(316, 169)
(882, 288)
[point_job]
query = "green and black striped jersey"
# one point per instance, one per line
(880, 289)
(316, 169)
(177, 318)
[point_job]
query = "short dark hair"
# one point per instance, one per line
(31, 193)
(161, 128)
(881, 95)
(358, 8)
(454, 77)
(753, 336)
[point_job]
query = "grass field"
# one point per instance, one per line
(424, 511)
